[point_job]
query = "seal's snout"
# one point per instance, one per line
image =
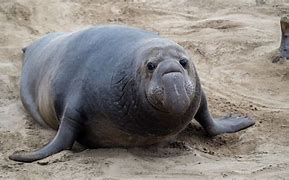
(171, 89)
(169, 67)
(176, 99)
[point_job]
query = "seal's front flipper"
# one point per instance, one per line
(231, 124)
(222, 125)
(64, 139)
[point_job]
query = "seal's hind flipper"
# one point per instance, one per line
(64, 139)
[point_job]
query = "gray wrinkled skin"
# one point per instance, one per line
(95, 86)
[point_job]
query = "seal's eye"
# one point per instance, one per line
(183, 62)
(151, 66)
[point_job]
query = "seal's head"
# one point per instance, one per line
(169, 78)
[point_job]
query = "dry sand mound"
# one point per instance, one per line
(231, 45)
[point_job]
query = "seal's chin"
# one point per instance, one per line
(175, 98)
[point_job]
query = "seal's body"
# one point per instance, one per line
(111, 86)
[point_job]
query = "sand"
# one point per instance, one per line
(232, 45)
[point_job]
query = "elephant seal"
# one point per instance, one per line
(113, 86)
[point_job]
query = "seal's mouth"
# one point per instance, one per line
(154, 106)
